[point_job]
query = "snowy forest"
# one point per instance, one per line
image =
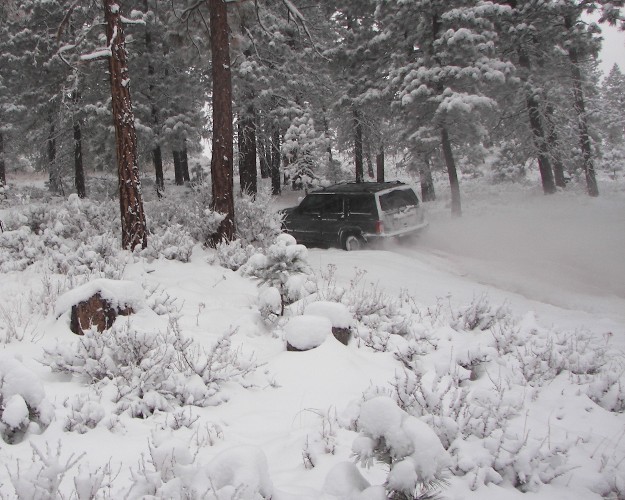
(147, 148)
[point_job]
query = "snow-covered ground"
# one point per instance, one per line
(486, 359)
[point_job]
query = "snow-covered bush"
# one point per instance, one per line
(280, 267)
(478, 314)
(40, 478)
(233, 254)
(23, 404)
(174, 243)
(258, 223)
(151, 371)
(416, 458)
(84, 413)
(173, 471)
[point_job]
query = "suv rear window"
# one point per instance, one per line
(398, 199)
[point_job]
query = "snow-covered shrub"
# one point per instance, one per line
(508, 162)
(174, 243)
(345, 481)
(151, 371)
(84, 414)
(478, 314)
(258, 223)
(324, 441)
(283, 261)
(192, 212)
(232, 254)
(159, 300)
(40, 478)
(23, 404)
(172, 471)
(416, 458)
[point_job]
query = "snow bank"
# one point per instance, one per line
(338, 314)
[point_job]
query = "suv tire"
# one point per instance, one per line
(352, 242)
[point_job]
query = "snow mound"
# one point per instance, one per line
(337, 313)
(307, 332)
(119, 293)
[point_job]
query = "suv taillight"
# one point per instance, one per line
(379, 227)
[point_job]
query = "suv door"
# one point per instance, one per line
(304, 222)
(332, 219)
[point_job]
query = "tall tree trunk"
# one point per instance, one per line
(538, 133)
(456, 208)
(276, 155)
(157, 155)
(379, 163)
(580, 109)
(264, 148)
(3, 175)
(427, 183)
(184, 162)
(157, 161)
(134, 231)
(248, 176)
(54, 173)
(222, 157)
(552, 140)
(326, 133)
(368, 160)
(358, 146)
(178, 174)
(79, 168)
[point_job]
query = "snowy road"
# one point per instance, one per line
(562, 257)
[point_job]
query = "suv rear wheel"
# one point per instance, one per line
(352, 242)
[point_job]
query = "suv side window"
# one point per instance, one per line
(312, 204)
(333, 205)
(398, 199)
(362, 205)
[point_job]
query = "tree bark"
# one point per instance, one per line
(582, 123)
(3, 175)
(178, 175)
(157, 155)
(264, 149)
(184, 162)
(222, 157)
(276, 155)
(79, 168)
(248, 177)
(427, 183)
(456, 208)
(358, 146)
(53, 169)
(552, 141)
(538, 134)
(134, 231)
(379, 164)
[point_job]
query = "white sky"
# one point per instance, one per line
(613, 50)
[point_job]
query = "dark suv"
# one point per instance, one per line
(351, 214)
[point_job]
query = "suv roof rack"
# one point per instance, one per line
(358, 187)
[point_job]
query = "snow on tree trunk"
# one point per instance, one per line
(157, 155)
(53, 168)
(130, 201)
(3, 178)
(247, 151)
(222, 157)
(584, 137)
(538, 133)
(276, 187)
(358, 146)
(456, 208)
(79, 169)
(552, 139)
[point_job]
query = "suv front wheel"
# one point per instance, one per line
(352, 242)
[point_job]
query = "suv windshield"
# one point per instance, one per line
(398, 199)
